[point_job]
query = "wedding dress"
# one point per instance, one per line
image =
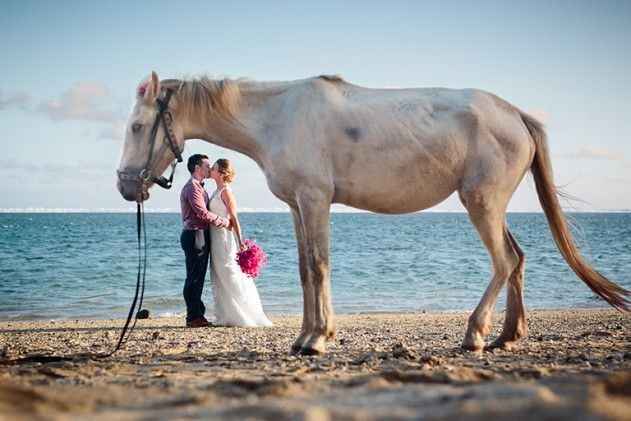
(237, 301)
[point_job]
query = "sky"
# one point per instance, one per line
(70, 69)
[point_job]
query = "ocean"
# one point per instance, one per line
(83, 265)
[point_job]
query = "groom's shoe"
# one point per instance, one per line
(199, 322)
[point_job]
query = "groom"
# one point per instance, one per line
(195, 238)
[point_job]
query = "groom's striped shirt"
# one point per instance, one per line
(194, 203)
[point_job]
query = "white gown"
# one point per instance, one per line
(237, 301)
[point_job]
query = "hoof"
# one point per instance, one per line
(299, 343)
(308, 351)
(473, 340)
(505, 344)
(472, 348)
(316, 345)
(473, 345)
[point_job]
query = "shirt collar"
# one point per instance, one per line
(201, 183)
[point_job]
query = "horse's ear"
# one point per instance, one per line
(150, 89)
(155, 83)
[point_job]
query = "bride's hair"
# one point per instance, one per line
(225, 169)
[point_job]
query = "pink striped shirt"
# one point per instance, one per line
(194, 203)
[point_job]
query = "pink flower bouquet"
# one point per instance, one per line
(252, 259)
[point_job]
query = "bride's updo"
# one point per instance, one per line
(224, 167)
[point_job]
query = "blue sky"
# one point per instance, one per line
(70, 69)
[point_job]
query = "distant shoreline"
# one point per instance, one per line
(275, 211)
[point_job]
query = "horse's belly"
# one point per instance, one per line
(397, 189)
(407, 172)
(404, 201)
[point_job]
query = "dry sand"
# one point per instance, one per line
(574, 365)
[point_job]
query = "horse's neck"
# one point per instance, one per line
(258, 101)
(242, 135)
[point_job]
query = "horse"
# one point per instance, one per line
(323, 140)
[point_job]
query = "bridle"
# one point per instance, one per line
(145, 175)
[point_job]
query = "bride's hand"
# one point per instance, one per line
(243, 247)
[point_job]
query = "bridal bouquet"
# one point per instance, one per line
(252, 259)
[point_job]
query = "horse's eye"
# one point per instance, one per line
(136, 127)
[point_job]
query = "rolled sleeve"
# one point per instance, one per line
(198, 206)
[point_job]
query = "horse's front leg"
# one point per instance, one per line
(307, 289)
(314, 208)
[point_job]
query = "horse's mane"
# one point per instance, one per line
(332, 78)
(202, 95)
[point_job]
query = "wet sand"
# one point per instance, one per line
(575, 364)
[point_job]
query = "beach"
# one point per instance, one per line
(574, 364)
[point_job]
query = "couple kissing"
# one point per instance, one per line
(212, 234)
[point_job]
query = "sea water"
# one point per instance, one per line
(83, 265)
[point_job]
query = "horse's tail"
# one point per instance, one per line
(541, 169)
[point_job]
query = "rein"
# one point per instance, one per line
(141, 234)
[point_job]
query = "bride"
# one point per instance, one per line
(237, 301)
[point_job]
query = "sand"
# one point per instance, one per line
(574, 365)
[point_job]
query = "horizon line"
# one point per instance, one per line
(271, 210)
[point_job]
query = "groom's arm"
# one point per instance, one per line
(198, 205)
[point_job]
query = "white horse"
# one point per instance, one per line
(323, 140)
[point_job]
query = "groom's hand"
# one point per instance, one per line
(220, 222)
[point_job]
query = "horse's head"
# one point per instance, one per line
(153, 140)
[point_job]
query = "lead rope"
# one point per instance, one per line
(125, 334)
(142, 270)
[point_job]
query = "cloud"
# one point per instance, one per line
(89, 102)
(17, 99)
(86, 101)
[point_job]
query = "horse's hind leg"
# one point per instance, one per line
(515, 325)
(488, 216)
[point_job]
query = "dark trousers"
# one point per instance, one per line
(196, 266)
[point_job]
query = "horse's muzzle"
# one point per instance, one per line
(132, 190)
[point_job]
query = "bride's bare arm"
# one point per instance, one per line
(231, 204)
